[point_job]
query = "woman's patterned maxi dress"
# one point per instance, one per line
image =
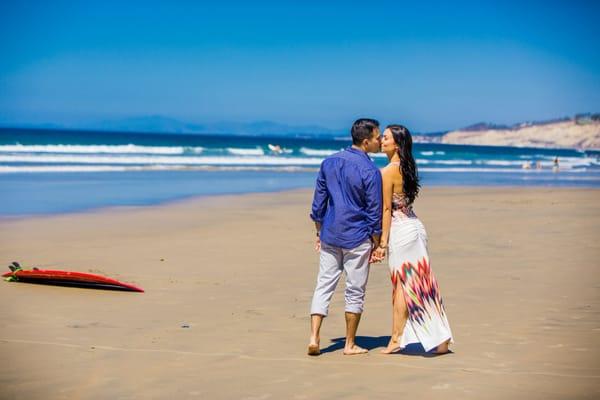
(409, 265)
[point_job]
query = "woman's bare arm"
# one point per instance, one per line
(388, 190)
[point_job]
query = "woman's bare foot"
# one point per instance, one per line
(443, 348)
(391, 348)
(350, 351)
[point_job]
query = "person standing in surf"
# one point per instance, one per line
(346, 210)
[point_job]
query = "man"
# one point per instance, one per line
(346, 210)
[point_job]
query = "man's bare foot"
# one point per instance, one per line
(314, 350)
(350, 351)
(392, 347)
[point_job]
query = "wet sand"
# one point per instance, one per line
(518, 268)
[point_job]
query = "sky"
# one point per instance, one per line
(432, 66)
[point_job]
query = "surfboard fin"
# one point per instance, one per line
(15, 266)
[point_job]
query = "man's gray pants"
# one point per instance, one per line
(334, 260)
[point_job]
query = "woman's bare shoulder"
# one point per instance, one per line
(390, 170)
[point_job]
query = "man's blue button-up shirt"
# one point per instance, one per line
(348, 199)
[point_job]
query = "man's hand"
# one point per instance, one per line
(377, 255)
(318, 244)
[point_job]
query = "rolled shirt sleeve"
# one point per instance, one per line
(320, 198)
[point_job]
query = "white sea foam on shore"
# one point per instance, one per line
(317, 152)
(157, 160)
(113, 168)
(98, 149)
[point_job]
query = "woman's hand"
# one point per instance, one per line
(377, 255)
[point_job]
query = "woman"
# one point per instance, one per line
(418, 311)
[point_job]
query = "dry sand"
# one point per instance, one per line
(518, 270)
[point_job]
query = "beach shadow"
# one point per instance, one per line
(416, 349)
(374, 342)
(367, 342)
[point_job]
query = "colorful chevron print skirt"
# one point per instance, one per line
(409, 266)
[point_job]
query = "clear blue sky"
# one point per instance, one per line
(433, 66)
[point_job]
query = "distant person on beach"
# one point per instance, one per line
(418, 311)
(555, 168)
(346, 210)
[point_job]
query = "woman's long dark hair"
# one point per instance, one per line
(408, 166)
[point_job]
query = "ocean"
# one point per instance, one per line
(52, 171)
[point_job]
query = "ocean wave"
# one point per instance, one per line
(564, 163)
(98, 149)
(11, 169)
(317, 152)
(492, 170)
(158, 160)
(257, 151)
(502, 163)
(444, 162)
(113, 168)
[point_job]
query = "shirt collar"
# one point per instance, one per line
(360, 152)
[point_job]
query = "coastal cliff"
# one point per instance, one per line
(576, 133)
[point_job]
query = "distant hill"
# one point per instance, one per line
(154, 124)
(581, 132)
(160, 124)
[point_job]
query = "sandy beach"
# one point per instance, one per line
(518, 269)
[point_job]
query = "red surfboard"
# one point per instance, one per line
(55, 277)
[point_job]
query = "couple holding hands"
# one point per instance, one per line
(363, 214)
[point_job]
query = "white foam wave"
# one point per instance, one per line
(491, 170)
(158, 160)
(536, 157)
(112, 168)
(65, 168)
(317, 152)
(98, 149)
(499, 162)
(578, 161)
(564, 163)
(258, 151)
(444, 162)
(431, 169)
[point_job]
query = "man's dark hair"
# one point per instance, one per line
(363, 129)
